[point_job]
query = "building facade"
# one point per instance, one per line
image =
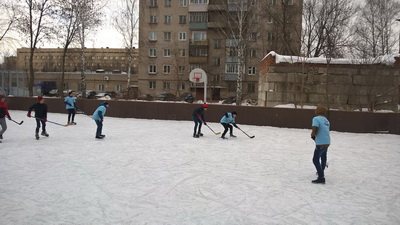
(105, 68)
(225, 38)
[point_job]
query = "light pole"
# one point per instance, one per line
(398, 20)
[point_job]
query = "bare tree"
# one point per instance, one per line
(323, 19)
(88, 14)
(239, 34)
(9, 19)
(286, 27)
(374, 30)
(68, 24)
(125, 22)
(35, 24)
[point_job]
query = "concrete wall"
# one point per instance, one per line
(357, 122)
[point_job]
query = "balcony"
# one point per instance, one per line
(193, 7)
(231, 43)
(198, 26)
(214, 7)
(199, 43)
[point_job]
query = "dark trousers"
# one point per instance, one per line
(71, 113)
(320, 153)
(38, 122)
(99, 127)
(226, 127)
(197, 123)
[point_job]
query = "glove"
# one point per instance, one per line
(205, 123)
(313, 137)
(9, 117)
(28, 115)
(198, 116)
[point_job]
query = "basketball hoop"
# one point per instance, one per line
(197, 76)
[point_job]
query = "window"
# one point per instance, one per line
(153, 19)
(252, 70)
(167, 36)
(217, 61)
(199, 35)
(181, 85)
(181, 69)
(167, 69)
(152, 84)
(253, 53)
(270, 36)
(182, 36)
(231, 68)
(167, 3)
(270, 19)
(153, 69)
(251, 88)
(198, 17)
(118, 87)
(152, 52)
(289, 2)
(182, 19)
(153, 3)
(272, 2)
(166, 85)
(167, 19)
(182, 52)
(199, 51)
(253, 36)
(182, 3)
(153, 36)
(167, 52)
(101, 87)
(217, 43)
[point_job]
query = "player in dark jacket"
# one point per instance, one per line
(40, 115)
(198, 118)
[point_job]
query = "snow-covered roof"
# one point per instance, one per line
(385, 59)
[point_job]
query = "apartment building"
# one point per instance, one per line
(50, 59)
(105, 68)
(223, 37)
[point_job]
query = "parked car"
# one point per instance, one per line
(89, 94)
(102, 95)
(54, 93)
(229, 100)
(146, 97)
(166, 97)
(187, 97)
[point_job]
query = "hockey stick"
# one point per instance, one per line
(17, 122)
(246, 133)
(82, 112)
(59, 124)
(216, 133)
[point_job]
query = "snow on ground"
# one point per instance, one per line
(155, 172)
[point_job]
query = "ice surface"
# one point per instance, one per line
(155, 172)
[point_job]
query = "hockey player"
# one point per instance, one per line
(226, 121)
(40, 116)
(98, 117)
(70, 105)
(3, 114)
(198, 119)
(320, 134)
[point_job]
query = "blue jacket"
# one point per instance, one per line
(228, 118)
(100, 112)
(69, 102)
